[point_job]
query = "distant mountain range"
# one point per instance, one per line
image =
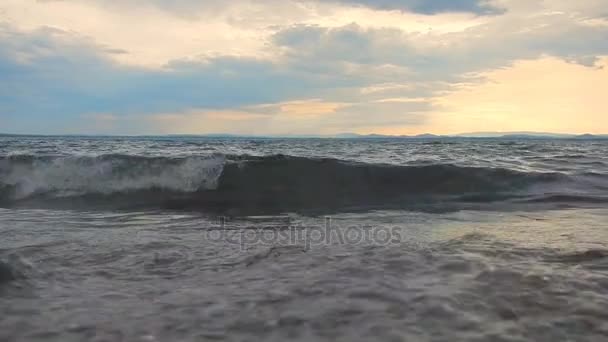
(479, 135)
(473, 135)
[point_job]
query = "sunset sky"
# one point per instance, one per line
(303, 67)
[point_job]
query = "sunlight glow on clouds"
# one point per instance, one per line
(302, 66)
(547, 94)
(148, 35)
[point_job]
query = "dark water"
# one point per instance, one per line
(187, 239)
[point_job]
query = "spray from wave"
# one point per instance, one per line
(26, 176)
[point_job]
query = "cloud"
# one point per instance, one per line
(280, 66)
(79, 76)
(193, 8)
(431, 6)
(441, 56)
(53, 79)
(159, 35)
(170, 30)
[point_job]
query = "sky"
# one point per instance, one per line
(280, 67)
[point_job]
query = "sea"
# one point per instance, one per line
(269, 239)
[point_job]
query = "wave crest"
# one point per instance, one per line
(25, 176)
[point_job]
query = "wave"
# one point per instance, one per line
(581, 257)
(258, 184)
(25, 176)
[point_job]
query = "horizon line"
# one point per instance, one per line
(345, 135)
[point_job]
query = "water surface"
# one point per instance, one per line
(190, 239)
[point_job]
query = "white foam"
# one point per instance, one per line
(64, 176)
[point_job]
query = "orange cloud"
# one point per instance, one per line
(309, 108)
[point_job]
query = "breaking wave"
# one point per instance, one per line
(26, 176)
(259, 183)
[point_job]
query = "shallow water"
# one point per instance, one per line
(152, 276)
(502, 272)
